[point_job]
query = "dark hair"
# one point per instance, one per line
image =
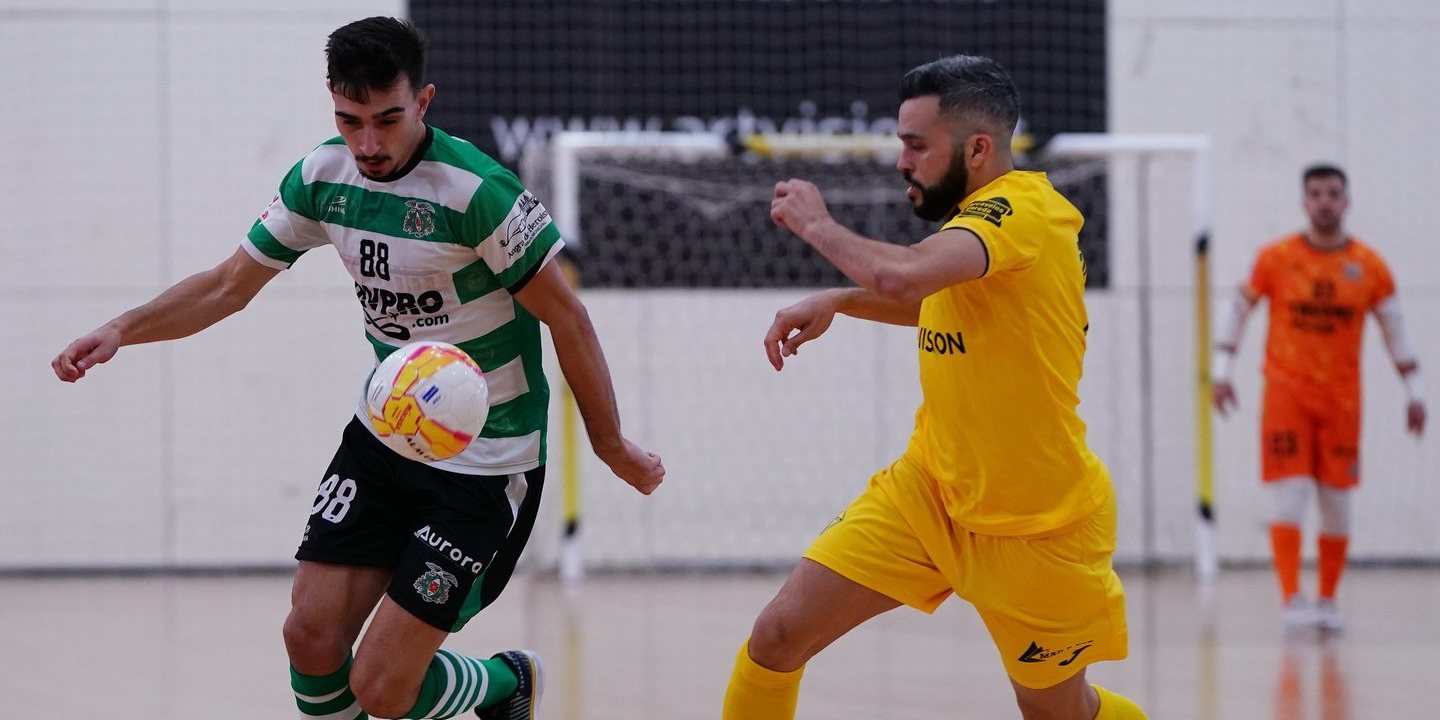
(371, 54)
(966, 84)
(1323, 170)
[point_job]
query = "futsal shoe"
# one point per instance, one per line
(1328, 617)
(520, 705)
(1298, 613)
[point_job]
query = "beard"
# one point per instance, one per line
(939, 200)
(385, 167)
(1326, 222)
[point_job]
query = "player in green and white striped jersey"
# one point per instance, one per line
(443, 244)
(438, 248)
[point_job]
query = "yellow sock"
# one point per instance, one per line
(756, 693)
(1114, 706)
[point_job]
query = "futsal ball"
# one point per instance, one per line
(427, 401)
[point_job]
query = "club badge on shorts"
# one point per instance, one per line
(434, 584)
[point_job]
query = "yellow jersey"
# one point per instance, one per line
(1000, 365)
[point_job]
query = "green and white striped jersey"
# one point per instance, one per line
(436, 251)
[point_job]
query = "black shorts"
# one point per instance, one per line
(452, 539)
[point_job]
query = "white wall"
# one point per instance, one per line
(139, 141)
(141, 137)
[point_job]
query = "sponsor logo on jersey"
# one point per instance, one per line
(1320, 317)
(419, 219)
(526, 221)
(337, 206)
(941, 343)
(527, 202)
(1352, 271)
(397, 303)
(434, 584)
(991, 210)
(446, 549)
(384, 308)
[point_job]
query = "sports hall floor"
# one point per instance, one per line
(659, 647)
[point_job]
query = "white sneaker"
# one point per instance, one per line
(1328, 617)
(1298, 613)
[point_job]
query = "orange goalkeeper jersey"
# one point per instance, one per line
(1318, 300)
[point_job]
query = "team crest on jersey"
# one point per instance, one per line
(419, 219)
(434, 584)
(1352, 271)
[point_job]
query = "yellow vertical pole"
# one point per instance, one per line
(572, 567)
(1206, 550)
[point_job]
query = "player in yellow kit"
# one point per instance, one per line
(997, 499)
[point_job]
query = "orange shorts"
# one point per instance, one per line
(1310, 434)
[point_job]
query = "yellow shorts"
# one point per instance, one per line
(1053, 604)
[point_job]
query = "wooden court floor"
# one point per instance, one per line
(659, 647)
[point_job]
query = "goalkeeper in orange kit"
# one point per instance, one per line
(1321, 283)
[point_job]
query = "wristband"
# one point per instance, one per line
(1221, 364)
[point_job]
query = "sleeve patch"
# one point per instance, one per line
(991, 210)
(524, 223)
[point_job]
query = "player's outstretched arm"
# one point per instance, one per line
(189, 306)
(1230, 326)
(905, 274)
(549, 298)
(810, 318)
(867, 305)
(1397, 342)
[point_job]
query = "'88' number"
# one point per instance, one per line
(333, 498)
(374, 259)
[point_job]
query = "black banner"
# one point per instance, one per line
(511, 72)
(511, 69)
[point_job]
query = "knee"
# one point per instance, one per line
(778, 643)
(1070, 700)
(1291, 495)
(315, 647)
(381, 694)
(1334, 511)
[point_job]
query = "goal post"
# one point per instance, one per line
(566, 149)
(1141, 147)
(630, 202)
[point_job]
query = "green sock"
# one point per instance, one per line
(327, 695)
(456, 684)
